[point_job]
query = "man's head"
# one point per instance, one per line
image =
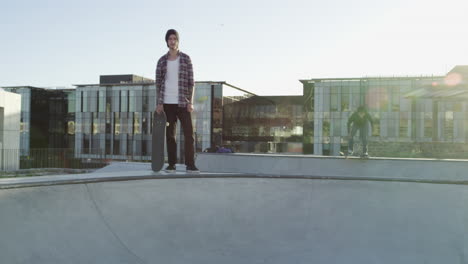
(361, 109)
(172, 39)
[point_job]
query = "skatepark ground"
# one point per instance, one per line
(124, 213)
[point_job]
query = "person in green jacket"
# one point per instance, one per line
(359, 120)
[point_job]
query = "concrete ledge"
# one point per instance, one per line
(123, 175)
(337, 167)
(271, 166)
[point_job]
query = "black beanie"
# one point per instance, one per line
(172, 32)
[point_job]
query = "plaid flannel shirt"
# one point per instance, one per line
(186, 83)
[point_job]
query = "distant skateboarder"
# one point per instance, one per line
(175, 88)
(359, 121)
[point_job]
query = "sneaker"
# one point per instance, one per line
(192, 169)
(365, 155)
(350, 152)
(170, 168)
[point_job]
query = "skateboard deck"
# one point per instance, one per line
(357, 152)
(158, 140)
(346, 156)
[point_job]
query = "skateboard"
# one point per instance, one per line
(357, 150)
(158, 139)
(346, 156)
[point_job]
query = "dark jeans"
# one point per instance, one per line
(173, 111)
(363, 130)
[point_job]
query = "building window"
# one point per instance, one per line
(144, 125)
(85, 101)
(129, 145)
(448, 127)
(136, 123)
(108, 125)
(334, 99)
(71, 128)
(82, 102)
(336, 127)
(144, 148)
(108, 102)
(131, 101)
(71, 102)
(404, 124)
(344, 99)
(395, 99)
(102, 102)
(326, 128)
(96, 126)
(356, 97)
(145, 101)
(85, 144)
(392, 127)
(116, 123)
(376, 125)
(116, 146)
(86, 124)
(123, 101)
(428, 125)
(108, 146)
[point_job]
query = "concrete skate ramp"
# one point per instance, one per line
(329, 166)
(235, 220)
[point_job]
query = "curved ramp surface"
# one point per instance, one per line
(235, 220)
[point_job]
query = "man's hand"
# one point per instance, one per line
(159, 109)
(189, 107)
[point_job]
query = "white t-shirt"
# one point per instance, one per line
(171, 91)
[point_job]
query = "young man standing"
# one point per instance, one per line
(360, 121)
(175, 88)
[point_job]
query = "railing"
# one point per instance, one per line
(49, 158)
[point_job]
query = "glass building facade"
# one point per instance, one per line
(398, 117)
(115, 120)
(263, 124)
(25, 124)
(44, 113)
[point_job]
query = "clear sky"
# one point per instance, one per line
(261, 46)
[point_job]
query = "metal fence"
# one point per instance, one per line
(51, 158)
